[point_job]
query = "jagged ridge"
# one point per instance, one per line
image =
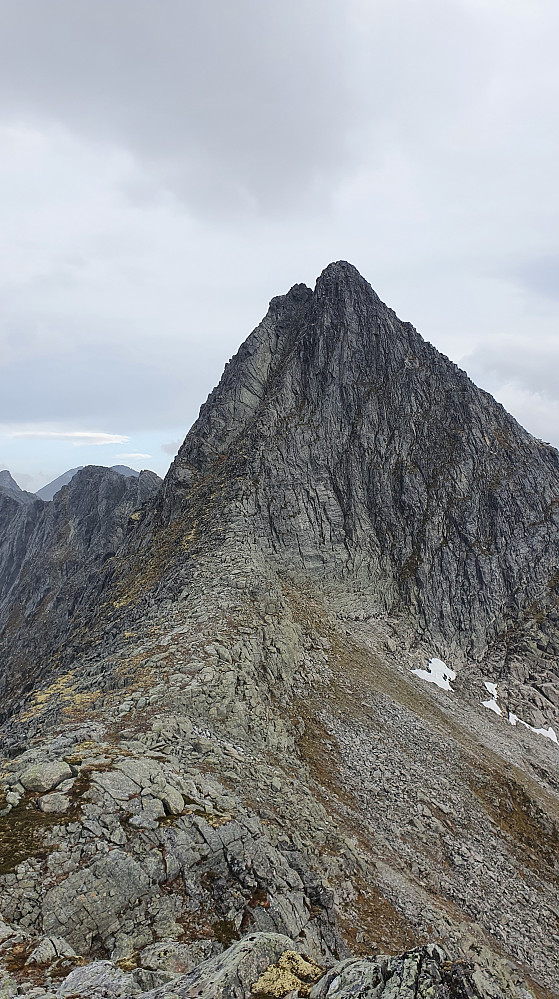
(351, 448)
(50, 553)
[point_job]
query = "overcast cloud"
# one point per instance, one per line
(167, 166)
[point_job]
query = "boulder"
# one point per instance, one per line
(173, 801)
(54, 804)
(45, 776)
(99, 980)
(177, 958)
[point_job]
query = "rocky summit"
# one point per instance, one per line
(285, 724)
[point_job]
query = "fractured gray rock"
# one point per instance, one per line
(424, 972)
(110, 885)
(353, 448)
(45, 776)
(54, 804)
(231, 975)
(99, 980)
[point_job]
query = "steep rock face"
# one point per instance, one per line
(355, 452)
(17, 521)
(50, 552)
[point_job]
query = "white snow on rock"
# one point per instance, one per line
(491, 688)
(492, 704)
(548, 733)
(437, 672)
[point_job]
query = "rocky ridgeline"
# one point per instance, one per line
(9, 487)
(212, 779)
(50, 555)
(221, 776)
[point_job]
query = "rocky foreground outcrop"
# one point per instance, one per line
(218, 721)
(270, 966)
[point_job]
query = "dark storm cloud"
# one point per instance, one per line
(240, 105)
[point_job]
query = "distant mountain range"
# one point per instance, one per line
(47, 492)
(9, 484)
(51, 551)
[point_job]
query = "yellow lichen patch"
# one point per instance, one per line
(128, 963)
(79, 702)
(276, 981)
(128, 667)
(136, 675)
(61, 690)
(292, 973)
(136, 515)
(304, 967)
(215, 821)
(87, 748)
(123, 602)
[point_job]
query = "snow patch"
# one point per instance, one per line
(491, 688)
(492, 704)
(548, 733)
(437, 672)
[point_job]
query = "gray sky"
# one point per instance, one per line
(166, 167)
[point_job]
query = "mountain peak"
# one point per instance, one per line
(9, 485)
(348, 441)
(50, 490)
(341, 281)
(339, 271)
(8, 482)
